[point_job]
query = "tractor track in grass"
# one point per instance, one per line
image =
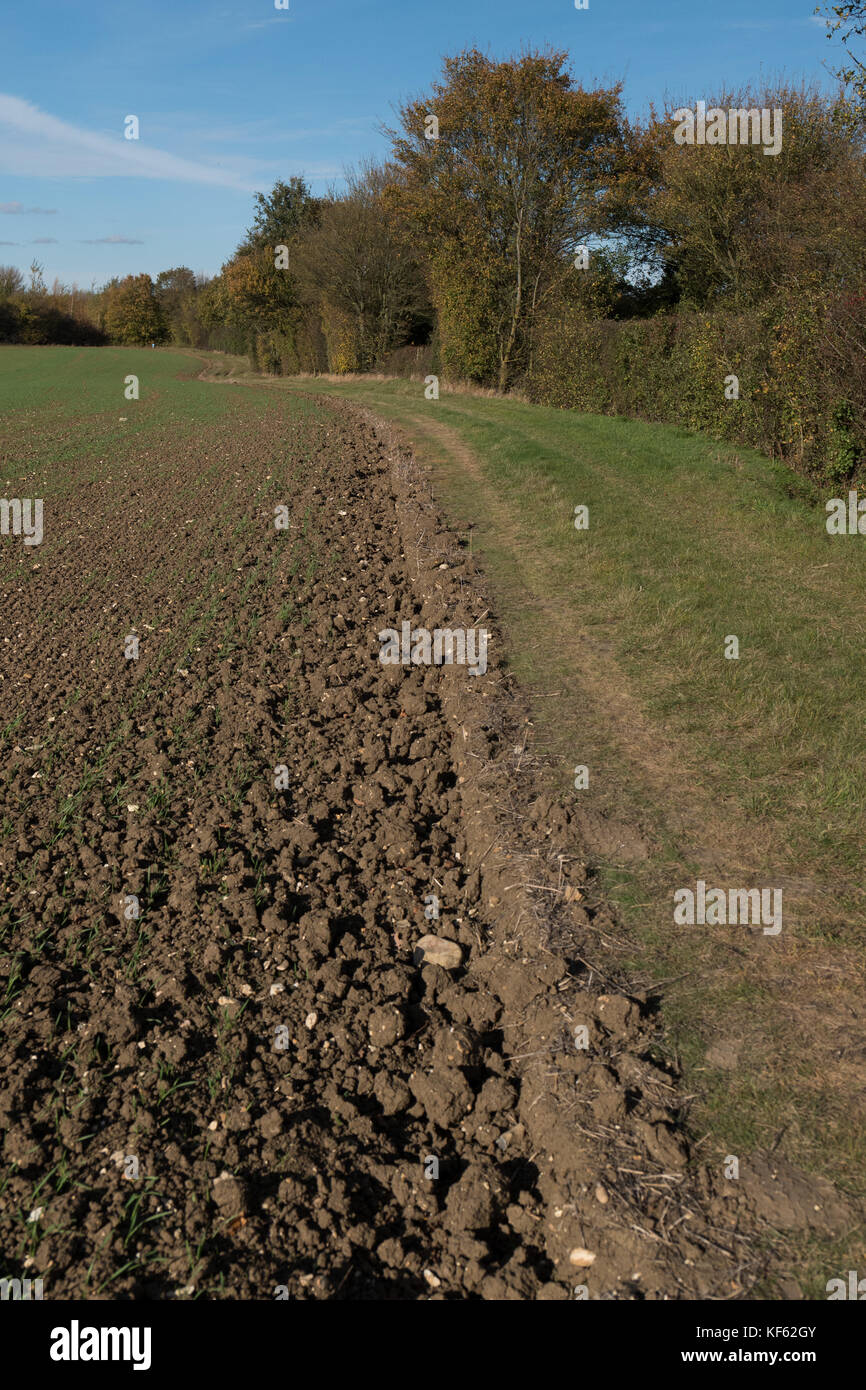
(258, 1045)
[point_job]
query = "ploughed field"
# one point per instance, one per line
(225, 1072)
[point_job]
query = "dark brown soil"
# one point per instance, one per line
(310, 1113)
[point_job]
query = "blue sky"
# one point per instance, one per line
(232, 94)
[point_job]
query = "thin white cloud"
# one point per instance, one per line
(788, 22)
(44, 241)
(282, 18)
(112, 241)
(35, 143)
(16, 208)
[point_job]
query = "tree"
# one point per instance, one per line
(849, 21)
(11, 281)
(177, 291)
(505, 170)
(735, 226)
(357, 263)
(259, 288)
(256, 297)
(37, 278)
(133, 313)
(281, 214)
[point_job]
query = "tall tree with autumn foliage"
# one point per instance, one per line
(735, 226)
(257, 290)
(133, 313)
(358, 266)
(506, 168)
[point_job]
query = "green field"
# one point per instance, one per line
(69, 404)
(75, 382)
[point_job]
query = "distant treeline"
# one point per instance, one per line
(525, 233)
